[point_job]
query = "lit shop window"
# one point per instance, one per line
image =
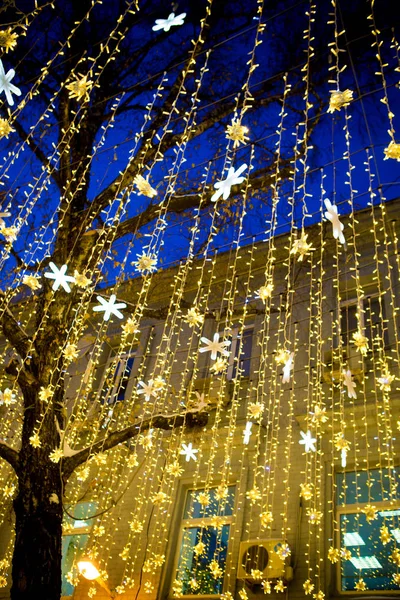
(203, 542)
(368, 511)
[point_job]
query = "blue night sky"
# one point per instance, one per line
(231, 38)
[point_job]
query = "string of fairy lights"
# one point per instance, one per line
(310, 381)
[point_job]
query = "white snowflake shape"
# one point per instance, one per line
(199, 404)
(166, 24)
(247, 432)
(6, 86)
(349, 383)
(189, 452)
(215, 346)
(60, 277)
(109, 307)
(224, 187)
(287, 368)
(333, 216)
(308, 441)
(148, 389)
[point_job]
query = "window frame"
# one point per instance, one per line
(346, 509)
(85, 530)
(354, 301)
(237, 333)
(201, 522)
(107, 399)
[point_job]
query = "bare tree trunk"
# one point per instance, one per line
(36, 565)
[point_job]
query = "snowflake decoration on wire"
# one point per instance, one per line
(6, 86)
(308, 441)
(224, 187)
(215, 346)
(166, 24)
(110, 307)
(60, 277)
(349, 383)
(333, 216)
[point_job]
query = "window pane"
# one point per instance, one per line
(370, 558)
(373, 322)
(122, 378)
(194, 570)
(80, 512)
(348, 322)
(353, 487)
(72, 547)
(245, 354)
(224, 507)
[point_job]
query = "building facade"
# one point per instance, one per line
(283, 357)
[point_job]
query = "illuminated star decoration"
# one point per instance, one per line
(215, 346)
(80, 88)
(224, 187)
(385, 380)
(6, 86)
(301, 246)
(392, 151)
(148, 389)
(5, 129)
(247, 432)
(319, 414)
(60, 277)
(308, 441)
(237, 132)
(287, 368)
(109, 307)
(332, 215)
(339, 99)
(349, 383)
(188, 451)
(199, 404)
(166, 24)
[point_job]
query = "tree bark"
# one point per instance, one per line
(36, 566)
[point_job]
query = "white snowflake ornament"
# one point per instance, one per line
(308, 441)
(349, 383)
(333, 216)
(215, 346)
(148, 389)
(166, 24)
(224, 187)
(247, 432)
(109, 307)
(6, 86)
(287, 368)
(189, 452)
(60, 277)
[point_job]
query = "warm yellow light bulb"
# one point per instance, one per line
(87, 569)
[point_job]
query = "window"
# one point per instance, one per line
(116, 390)
(203, 542)
(368, 514)
(240, 353)
(370, 320)
(74, 541)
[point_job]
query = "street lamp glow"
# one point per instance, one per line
(88, 570)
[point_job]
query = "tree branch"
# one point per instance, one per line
(260, 180)
(40, 155)
(10, 455)
(165, 422)
(14, 333)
